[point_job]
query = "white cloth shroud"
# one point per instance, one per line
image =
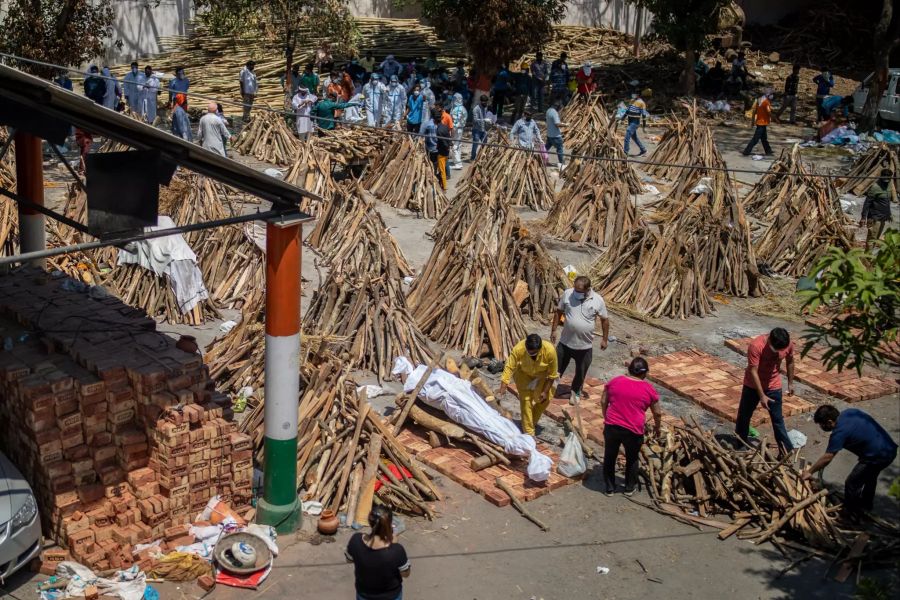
(172, 258)
(456, 398)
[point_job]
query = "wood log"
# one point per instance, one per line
(519, 506)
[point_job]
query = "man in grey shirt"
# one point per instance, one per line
(580, 306)
(554, 134)
(211, 132)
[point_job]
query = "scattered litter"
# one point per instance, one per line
(768, 67)
(227, 326)
(603, 570)
(408, 279)
(571, 461)
(312, 508)
(651, 189)
(274, 173)
(792, 141)
(704, 185)
(798, 438)
(757, 157)
(372, 391)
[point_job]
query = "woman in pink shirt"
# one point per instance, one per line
(624, 405)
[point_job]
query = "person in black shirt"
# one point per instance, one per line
(94, 85)
(789, 99)
(379, 564)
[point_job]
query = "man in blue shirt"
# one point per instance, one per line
(824, 82)
(860, 434)
(842, 103)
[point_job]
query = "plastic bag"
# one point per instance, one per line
(571, 461)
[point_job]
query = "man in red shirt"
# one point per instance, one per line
(762, 383)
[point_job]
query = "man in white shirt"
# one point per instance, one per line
(211, 132)
(249, 87)
(133, 83)
(302, 103)
(580, 306)
(149, 95)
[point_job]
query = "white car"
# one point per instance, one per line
(20, 527)
(889, 105)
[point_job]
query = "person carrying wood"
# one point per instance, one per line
(876, 211)
(761, 114)
(578, 310)
(859, 433)
(533, 366)
(762, 384)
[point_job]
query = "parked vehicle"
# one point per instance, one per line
(889, 106)
(20, 526)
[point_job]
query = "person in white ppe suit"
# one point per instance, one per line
(430, 100)
(149, 95)
(459, 401)
(394, 104)
(113, 90)
(353, 114)
(460, 115)
(132, 87)
(375, 93)
(302, 103)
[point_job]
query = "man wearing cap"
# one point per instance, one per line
(532, 366)
(302, 104)
(375, 93)
(249, 87)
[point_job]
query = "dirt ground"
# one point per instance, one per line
(476, 550)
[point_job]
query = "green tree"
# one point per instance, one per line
(685, 24)
(495, 31)
(865, 289)
(62, 32)
(295, 22)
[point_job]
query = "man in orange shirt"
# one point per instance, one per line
(762, 383)
(762, 116)
(446, 120)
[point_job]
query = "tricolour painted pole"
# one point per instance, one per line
(30, 186)
(279, 506)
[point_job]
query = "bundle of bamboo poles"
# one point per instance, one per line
(353, 145)
(403, 177)
(688, 142)
(479, 211)
(351, 228)
(520, 176)
(9, 227)
(707, 208)
(788, 177)
(268, 138)
(803, 228)
(870, 164)
(463, 300)
(692, 477)
(591, 210)
(344, 447)
(656, 273)
(237, 359)
(590, 132)
(366, 313)
(538, 277)
(311, 171)
(141, 288)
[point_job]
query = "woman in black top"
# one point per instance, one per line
(380, 565)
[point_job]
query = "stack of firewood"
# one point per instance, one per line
(591, 209)
(141, 288)
(537, 277)
(344, 448)
(692, 477)
(520, 176)
(708, 209)
(404, 178)
(362, 318)
(462, 299)
(268, 138)
(788, 177)
(479, 210)
(9, 228)
(590, 132)
(311, 171)
(353, 145)
(237, 359)
(869, 166)
(688, 142)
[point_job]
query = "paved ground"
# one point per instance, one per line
(476, 550)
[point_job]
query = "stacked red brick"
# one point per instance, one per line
(90, 401)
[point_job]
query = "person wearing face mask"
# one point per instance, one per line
(525, 132)
(415, 105)
(876, 211)
(375, 93)
(578, 310)
(857, 432)
(460, 115)
(585, 80)
(149, 95)
(212, 134)
(179, 85)
(824, 82)
(394, 105)
(353, 113)
(429, 98)
(480, 124)
(113, 91)
(181, 123)
(762, 383)
(131, 86)
(762, 116)
(302, 104)
(94, 85)
(390, 67)
(249, 87)
(532, 366)
(357, 74)
(309, 80)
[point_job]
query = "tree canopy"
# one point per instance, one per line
(495, 31)
(62, 32)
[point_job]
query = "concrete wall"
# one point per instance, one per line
(139, 25)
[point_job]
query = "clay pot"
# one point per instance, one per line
(188, 343)
(328, 522)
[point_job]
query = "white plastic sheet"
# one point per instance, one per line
(571, 461)
(127, 585)
(456, 398)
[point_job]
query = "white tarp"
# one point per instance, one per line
(456, 398)
(172, 258)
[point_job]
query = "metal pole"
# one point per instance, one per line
(30, 185)
(279, 506)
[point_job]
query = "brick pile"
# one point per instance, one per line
(846, 385)
(712, 383)
(120, 434)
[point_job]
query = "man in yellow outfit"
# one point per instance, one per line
(532, 365)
